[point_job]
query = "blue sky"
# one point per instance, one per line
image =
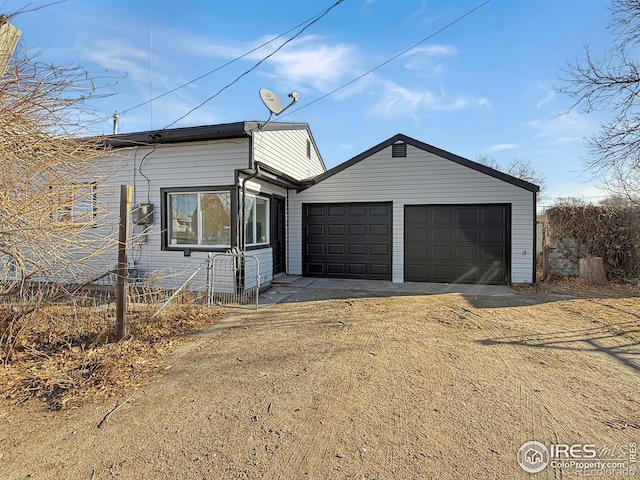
(482, 86)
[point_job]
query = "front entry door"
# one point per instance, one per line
(278, 232)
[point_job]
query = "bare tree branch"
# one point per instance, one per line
(612, 84)
(522, 169)
(49, 183)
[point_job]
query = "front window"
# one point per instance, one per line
(199, 219)
(256, 220)
(76, 203)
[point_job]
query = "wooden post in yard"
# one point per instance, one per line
(121, 287)
(592, 271)
(9, 36)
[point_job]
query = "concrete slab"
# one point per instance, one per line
(296, 288)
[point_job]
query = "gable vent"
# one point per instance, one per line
(399, 150)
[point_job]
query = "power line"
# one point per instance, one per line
(221, 66)
(377, 67)
(257, 64)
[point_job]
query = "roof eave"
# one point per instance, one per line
(430, 149)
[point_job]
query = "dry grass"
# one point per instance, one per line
(614, 306)
(66, 356)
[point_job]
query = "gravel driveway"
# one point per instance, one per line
(355, 384)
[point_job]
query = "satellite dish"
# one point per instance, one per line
(271, 101)
(274, 104)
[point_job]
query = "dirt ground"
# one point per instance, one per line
(402, 387)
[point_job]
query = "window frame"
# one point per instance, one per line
(267, 212)
(71, 214)
(165, 218)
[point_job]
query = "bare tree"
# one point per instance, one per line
(48, 181)
(522, 169)
(612, 83)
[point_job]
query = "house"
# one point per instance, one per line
(191, 182)
(401, 211)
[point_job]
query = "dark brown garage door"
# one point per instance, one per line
(457, 244)
(347, 240)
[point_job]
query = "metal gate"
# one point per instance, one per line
(233, 279)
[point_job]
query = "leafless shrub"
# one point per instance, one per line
(608, 231)
(48, 187)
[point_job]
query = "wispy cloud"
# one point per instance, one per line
(567, 128)
(502, 146)
(313, 63)
(418, 11)
(120, 57)
(547, 99)
(398, 101)
(425, 58)
(308, 60)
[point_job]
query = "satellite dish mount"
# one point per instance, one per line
(274, 104)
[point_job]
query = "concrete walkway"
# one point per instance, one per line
(296, 288)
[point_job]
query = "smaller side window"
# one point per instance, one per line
(257, 220)
(75, 204)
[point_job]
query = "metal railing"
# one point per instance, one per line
(233, 279)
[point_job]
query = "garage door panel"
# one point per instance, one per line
(489, 254)
(418, 235)
(379, 210)
(467, 254)
(357, 249)
(439, 254)
(315, 230)
(418, 253)
(357, 243)
(316, 268)
(465, 235)
(336, 210)
(493, 236)
(315, 249)
(357, 210)
(457, 243)
(336, 268)
(357, 269)
(336, 249)
(336, 230)
(442, 235)
(466, 215)
(379, 270)
(440, 273)
(383, 250)
(495, 215)
(316, 211)
(357, 230)
(416, 216)
(376, 229)
(440, 217)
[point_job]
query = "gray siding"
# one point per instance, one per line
(420, 178)
(286, 151)
(183, 165)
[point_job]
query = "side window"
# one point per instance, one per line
(257, 220)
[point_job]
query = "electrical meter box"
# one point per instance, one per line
(143, 214)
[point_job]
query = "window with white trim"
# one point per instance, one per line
(76, 203)
(199, 219)
(257, 219)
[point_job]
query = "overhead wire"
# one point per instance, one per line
(389, 60)
(220, 67)
(257, 64)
